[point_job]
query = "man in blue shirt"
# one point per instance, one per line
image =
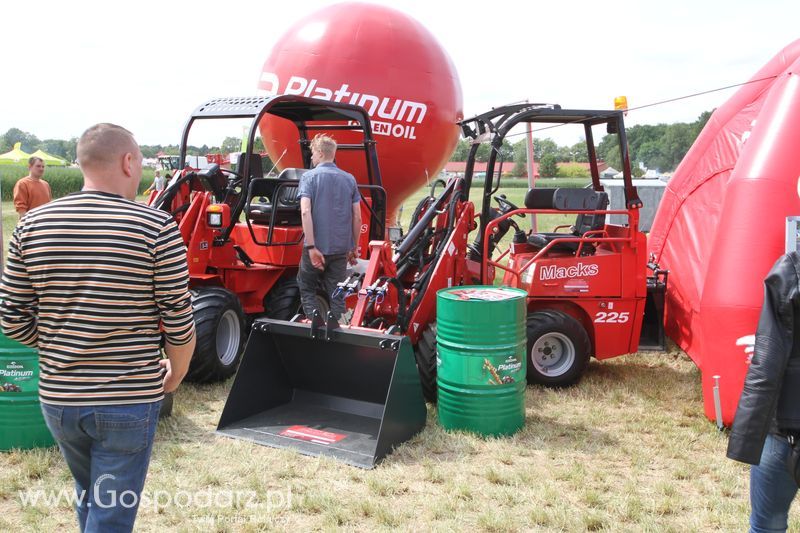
(331, 216)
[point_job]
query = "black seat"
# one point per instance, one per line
(261, 193)
(256, 170)
(569, 200)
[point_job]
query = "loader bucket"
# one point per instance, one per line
(324, 390)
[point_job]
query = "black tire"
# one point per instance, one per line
(220, 325)
(323, 304)
(282, 302)
(425, 353)
(166, 405)
(558, 349)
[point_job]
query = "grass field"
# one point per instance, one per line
(628, 449)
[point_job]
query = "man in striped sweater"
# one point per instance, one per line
(92, 280)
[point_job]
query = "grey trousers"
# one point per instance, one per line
(310, 280)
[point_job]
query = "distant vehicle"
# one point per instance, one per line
(170, 163)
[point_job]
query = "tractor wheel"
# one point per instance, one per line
(558, 349)
(283, 300)
(425, 353)
(219, 322)
(322, 304)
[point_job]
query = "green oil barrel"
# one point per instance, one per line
(21, 421)
(481, 359)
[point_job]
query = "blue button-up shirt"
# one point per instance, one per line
(332, 192)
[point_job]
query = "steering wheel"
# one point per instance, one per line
(234, 189)
(231, 192)
(506, 206)
(164, 201)
(233, 176)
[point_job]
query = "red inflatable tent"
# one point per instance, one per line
(721, 224)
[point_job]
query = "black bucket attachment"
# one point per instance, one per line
(652, 337)
(324, 390)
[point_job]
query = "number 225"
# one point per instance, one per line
(612, 317)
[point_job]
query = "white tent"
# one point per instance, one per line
(610, 172)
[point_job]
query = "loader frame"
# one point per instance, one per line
(252, 260)
(351, 392)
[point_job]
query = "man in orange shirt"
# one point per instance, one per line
(31, 191)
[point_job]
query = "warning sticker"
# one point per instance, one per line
(312, 435)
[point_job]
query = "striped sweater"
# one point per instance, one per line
(92, 280)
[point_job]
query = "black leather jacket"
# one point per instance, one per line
(770, 400)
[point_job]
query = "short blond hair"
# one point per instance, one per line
(103, 143)
(324, 144)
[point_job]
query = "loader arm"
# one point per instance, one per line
(448, 270)
(398, 288)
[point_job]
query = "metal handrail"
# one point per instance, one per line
(486, 261)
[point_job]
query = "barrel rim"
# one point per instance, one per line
(515, 293)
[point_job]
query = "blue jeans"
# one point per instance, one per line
(107, 449)
(772, 488)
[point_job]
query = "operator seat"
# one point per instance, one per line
(566, 200)
(261, 193)
(256, 169)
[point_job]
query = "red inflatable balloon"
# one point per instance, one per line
(721, 225)
(384, 61)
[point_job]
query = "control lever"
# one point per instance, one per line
(242, 255)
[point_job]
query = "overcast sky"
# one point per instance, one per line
(146, 65)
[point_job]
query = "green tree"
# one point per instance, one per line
(520, 150)
(676, 142)
(542, 147)
(519, 169)
(71, 149)
(564, 154)
(608, 151)
(482, 154)
(55, 147)
(641, 134)
(579, 152)
(151, 151)
(505, 153)
(548, 166)
(259, 146)
(463, 147)
(231, 144)
(651, 155)
(30, 143)
(701, 122)
(461, 151)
